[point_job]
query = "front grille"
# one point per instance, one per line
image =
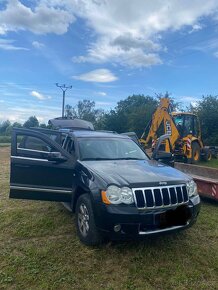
(159, 197)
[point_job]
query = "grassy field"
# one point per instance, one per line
(5, 144)
(212, 163)
(40, 250)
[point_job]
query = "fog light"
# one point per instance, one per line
(117, 228)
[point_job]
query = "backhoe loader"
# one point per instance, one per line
(184, 130)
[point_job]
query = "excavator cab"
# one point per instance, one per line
(186, 124)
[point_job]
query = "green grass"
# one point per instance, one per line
(5, 144)
(40, 250)
(5, 139)
(212, 163)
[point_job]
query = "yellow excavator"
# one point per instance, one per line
(184, 134)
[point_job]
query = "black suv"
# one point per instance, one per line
(110, 183)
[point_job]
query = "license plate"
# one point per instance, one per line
(161, 219)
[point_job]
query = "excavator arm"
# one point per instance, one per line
(161, 115)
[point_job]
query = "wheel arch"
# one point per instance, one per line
(77, 193)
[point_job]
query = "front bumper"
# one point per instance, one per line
(134, 222)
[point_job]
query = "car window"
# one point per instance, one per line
(33, 143)
(69, 146)
(109, 149)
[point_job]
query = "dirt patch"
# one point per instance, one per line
(5, 153)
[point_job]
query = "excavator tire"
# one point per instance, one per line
(196, 153)
(207, 154)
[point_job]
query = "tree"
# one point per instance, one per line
(70, 111)
(43, 125)
(207, 111)
(17, 125)
(131, 114)
(85, 110)
(31, 122)
(4, 127)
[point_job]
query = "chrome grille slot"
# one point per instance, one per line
(160, 197)
(157, 196)
(166, 197)
(140, 198)
(185, 193)
(173, 195)
(179, 194)
(149, 197)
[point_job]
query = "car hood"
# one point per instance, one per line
(136, 172)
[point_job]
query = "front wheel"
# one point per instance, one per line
(85, 224)
(196, 153)
(207, 156)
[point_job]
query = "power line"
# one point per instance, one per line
(63, 88)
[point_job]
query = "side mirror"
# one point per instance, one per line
(56, 156)
(164, 157)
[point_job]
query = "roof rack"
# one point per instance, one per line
(107, 131)
(72, 124)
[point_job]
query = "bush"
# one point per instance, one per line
(5, 139)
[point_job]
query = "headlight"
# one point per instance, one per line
(192, 188)
(113, 194)
(126, 195)
(117, 195)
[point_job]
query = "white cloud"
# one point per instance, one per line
(196, 27)
(98, 76)
(189, 99)
(103, 94)
(37, 44)
(194, 104)
(124, 32)
(208, 46)
(41, 19)
(17, 114)
(128, 32)
(39, 96)
(104, 104)
(7, 44)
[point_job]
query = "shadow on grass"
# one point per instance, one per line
(209, 201)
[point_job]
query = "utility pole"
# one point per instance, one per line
(63, 88)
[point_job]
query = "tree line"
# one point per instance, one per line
(132, 114)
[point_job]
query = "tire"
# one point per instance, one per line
(85, 224)
(196, 153)
(206, 154)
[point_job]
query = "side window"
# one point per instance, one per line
(69, 146)
(32, 147)
(33, 143)
(188, 125)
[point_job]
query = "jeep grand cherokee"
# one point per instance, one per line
(110, 183)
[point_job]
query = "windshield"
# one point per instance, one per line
(110, 149)
(178, 120)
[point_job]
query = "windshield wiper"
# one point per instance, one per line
(128, 158)
(96, 159)
(100, 158)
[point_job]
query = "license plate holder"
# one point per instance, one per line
(161, 219)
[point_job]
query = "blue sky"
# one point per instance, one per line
(107, 50)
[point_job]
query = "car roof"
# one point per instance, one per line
(98, 134)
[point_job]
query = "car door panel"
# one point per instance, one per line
(33, 176)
